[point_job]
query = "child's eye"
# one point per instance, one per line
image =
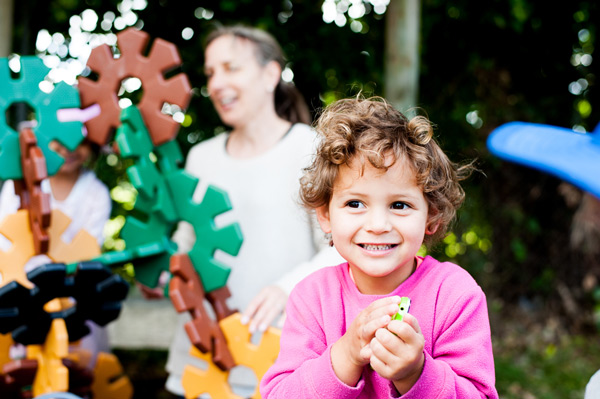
(354, 204)
(400, 205)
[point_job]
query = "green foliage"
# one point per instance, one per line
(546, 370)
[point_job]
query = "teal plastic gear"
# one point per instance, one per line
(165, 196)
(26, 89)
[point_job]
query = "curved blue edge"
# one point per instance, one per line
(58, 395)
(571, 156)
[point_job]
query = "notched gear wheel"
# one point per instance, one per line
(26, 89)
(97, 293)
(150, 69)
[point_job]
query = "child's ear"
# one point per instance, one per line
(432, 228)
(323, 218)
(433, 222)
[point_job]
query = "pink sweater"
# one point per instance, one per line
(451, 310)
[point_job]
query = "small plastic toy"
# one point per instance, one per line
(403, 308)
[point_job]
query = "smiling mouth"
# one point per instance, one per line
(377, 247)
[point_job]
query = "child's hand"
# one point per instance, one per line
(397, 352)
(352, 351)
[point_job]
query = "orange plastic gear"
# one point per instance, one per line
(258, 358)
(15, 227)
(109, 381)
(52, 375)
(150, 69)
(83, 246)
(213, 380)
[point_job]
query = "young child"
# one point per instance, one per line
(381, 186)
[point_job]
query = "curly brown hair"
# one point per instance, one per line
(371, 129)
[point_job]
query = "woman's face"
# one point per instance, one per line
(240, 88)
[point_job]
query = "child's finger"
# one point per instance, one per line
(413, 322)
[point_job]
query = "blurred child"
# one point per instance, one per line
(78, 193)
(381, 186)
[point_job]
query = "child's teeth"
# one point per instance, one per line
(371, 247)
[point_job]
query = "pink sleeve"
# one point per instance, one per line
(461, 364)
(303, 368)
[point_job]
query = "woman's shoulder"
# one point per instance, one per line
(209, 145)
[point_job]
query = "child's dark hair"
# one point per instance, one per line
(371, 129)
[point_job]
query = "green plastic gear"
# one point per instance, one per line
(209, 238)
(165, 196)
(26, 89)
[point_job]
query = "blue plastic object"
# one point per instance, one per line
(58, 395)
(569, 155)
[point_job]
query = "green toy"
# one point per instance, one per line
(26, 89)
(403, 308)
(165, 193)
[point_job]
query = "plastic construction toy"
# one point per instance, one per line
(187, 294)
(214, 380)
(162, 58)
(97, 292)
(26, 89)
(165, 194)
(33, 166)
(403, 308)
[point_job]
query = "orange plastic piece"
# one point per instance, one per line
(256, 357)
(83, 246)
(33, 164)
(187, 294)
(150, 69)
(52, 375)
(15, 228)
(109, 381)
(213, 380)
(6, 342)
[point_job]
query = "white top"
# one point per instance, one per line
(282, 242)
(88, 205)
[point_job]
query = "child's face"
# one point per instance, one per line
(73, 160)
(377, 221)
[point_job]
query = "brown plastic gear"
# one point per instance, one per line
(187, 294)
(29, 189)
(150, 69)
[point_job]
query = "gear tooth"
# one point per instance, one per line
(164, 55)
(33, 70)
(132, 42)
(100, 57)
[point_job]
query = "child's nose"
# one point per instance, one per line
(378, 221)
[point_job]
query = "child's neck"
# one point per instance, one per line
(373, 286)
(61, 184)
